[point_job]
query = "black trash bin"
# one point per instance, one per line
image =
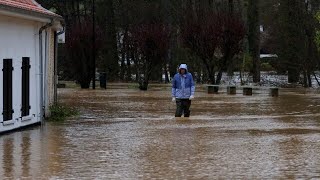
(103, 80)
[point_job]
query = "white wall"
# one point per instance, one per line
(49, 83)
(19, 38)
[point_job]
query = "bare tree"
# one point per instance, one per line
(216, 40)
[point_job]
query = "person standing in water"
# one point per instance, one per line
(183, 89)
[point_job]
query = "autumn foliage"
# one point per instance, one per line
(216, 39)
(151, 42)
(80, 47)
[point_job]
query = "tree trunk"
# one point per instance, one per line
(128, 67)
(219, 77)
(254, 37)
(309, 79)
(144, 82)
(305, 79)
(291, 41)
(123, 56)
(293, 75)
(231, 6)
(111, 58)
(315, 76)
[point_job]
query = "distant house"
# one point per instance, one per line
(28, 36)
(268, 56)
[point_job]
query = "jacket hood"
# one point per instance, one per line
(183, 66)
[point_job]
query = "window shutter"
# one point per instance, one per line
(25, 109)
(7, 89)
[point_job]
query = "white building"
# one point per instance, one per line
(28, 36)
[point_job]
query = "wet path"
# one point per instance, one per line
(123, 133)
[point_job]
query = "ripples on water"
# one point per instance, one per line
(129, 134)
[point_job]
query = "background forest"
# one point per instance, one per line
(145, 40)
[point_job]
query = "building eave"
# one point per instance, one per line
(32, 15)
(27, 6)
(30, 12)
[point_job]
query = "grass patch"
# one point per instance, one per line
(70, 84)
(61, 112)
(133, 86)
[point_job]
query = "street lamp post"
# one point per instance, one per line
(93, 46)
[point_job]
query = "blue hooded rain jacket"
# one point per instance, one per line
(182, 84)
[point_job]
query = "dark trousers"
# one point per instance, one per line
(183, 106)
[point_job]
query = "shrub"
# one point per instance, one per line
(60, 112)
(266, 67)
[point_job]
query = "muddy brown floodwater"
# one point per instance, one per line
(124, 133)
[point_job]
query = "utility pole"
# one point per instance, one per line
(93, 46)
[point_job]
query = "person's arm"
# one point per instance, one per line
(193, 87)
(173, 90)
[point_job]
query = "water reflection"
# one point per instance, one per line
(16, 155)
(129, 134)
(26, 153)
(7, 157)
(33, 153)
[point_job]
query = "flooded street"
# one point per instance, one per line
(125, 133)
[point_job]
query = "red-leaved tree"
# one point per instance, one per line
(216, 38)
(151, 42)
(79, 49)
